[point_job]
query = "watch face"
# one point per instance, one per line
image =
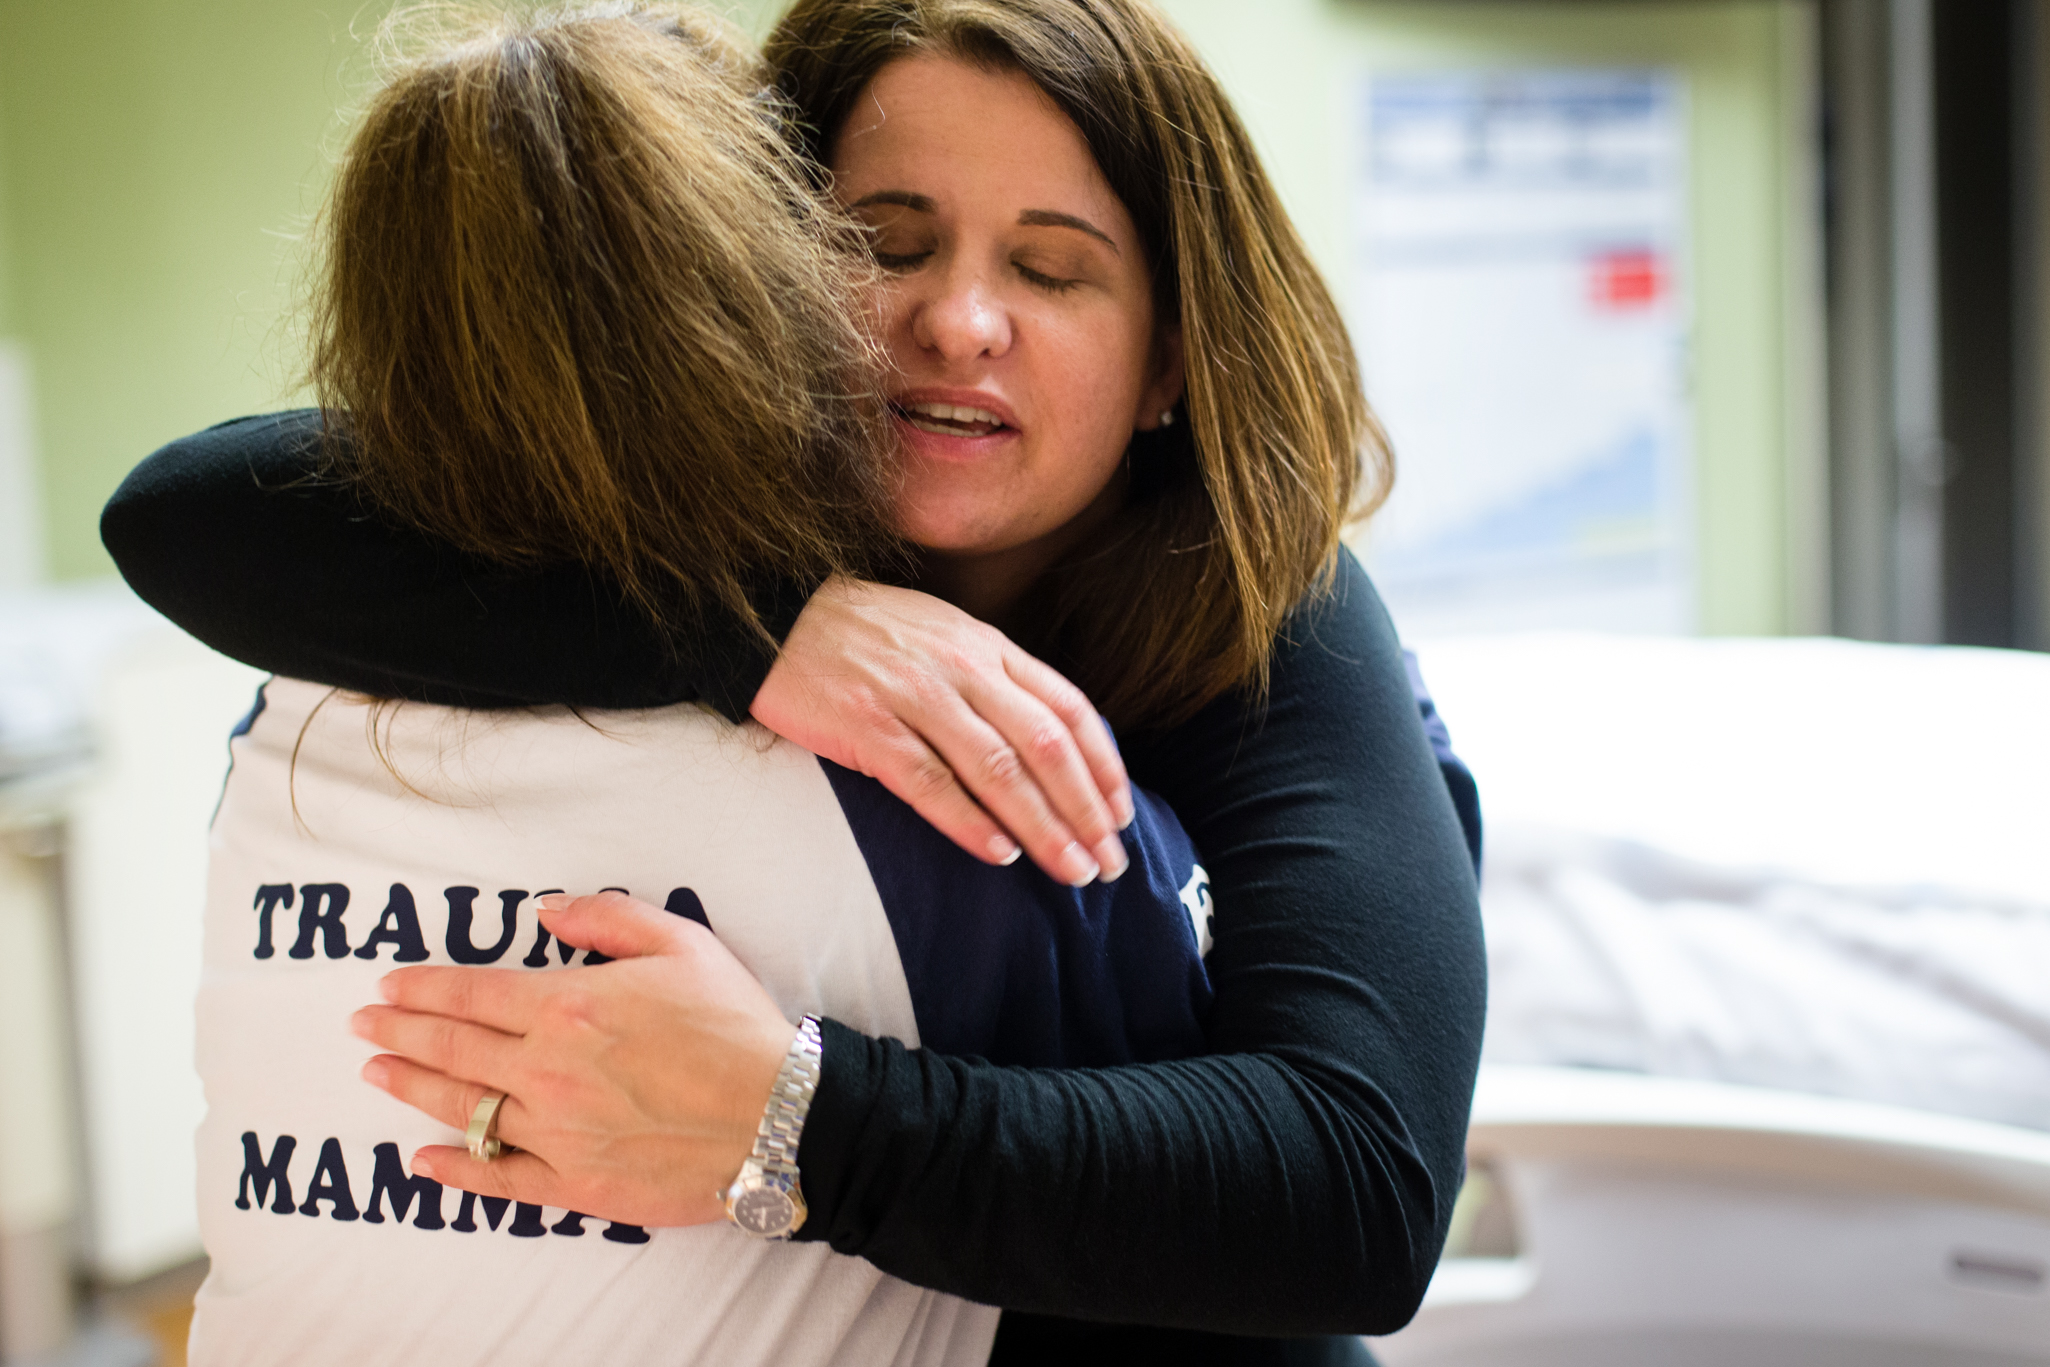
(764, 1210)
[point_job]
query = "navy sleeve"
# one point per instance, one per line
(1299, 1178)
(1459, 784)
(1006, 964)
(241, 536)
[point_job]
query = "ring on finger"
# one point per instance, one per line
(483, 1137)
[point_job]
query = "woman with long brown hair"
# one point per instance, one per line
(1299, 1179)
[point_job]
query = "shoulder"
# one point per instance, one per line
(1339, 630)
(1337, 742)
(1336, 666)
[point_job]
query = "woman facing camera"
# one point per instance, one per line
(1128, 429)
(576, 295)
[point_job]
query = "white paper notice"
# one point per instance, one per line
(1523, 326)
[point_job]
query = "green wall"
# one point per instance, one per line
(159, 160)
(152, 185)
(7, 321)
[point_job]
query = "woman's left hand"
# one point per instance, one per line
(633, 1089)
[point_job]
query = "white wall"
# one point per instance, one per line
(136, 860)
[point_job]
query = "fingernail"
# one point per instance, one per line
(377, 1073)
(1084, 869)
(421, 1167)
(1005, 849)
(554, 901)
(388, 989)
(1110, 856)
(1121, 807)
(359, 1024)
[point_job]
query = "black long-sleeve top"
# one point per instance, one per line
(1298, 1180)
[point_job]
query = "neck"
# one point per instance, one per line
(988, 585)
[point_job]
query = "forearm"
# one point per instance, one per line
(1230, 1193)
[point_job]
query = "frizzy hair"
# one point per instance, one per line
(578, 302)
(1234, 514)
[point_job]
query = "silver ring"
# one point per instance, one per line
(484, 1145)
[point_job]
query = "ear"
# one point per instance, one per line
(1164, 389)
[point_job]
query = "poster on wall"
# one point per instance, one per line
(1522, 317)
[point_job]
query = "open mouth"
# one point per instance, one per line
(950, 419)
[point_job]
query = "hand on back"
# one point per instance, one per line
(633, 1088)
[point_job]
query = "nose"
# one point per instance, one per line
(960, 316)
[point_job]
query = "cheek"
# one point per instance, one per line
(1089, 387)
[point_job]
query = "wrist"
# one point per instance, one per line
(767, 1198)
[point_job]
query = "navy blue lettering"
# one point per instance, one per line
(269, 898)
(400, 925)
(461, 904)
(526, 1222)
(334, 936)
(494, 1211)
(392, 1182)
(594, 957)
(537, 957)
(331, 1184)
(266, 1175)
(683, 902)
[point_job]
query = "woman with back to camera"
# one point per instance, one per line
(1299, 1181)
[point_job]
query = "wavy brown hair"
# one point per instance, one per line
(579, 301)
(1235, 514)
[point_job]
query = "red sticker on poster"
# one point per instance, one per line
(1626, 279)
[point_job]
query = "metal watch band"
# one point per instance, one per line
(790, 1101)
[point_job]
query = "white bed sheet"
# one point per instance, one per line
(1816, 865)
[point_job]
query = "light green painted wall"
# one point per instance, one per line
(6, 221)
(161, 155)
(158, 159)
(1294, 75)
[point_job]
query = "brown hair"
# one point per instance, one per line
(580, 302)
(1235, 514)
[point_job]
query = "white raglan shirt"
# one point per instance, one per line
(330, 868)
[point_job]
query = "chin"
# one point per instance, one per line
(947, 531)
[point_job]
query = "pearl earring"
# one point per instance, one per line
(1167, 417)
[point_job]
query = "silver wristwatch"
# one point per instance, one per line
(765, 1198)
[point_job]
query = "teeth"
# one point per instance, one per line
(947, 412)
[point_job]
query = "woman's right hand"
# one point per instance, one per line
(991, 746)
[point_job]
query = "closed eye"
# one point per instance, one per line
(1051, 284)
(901, 261)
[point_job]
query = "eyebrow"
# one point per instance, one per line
(1047, 218)
(918, 204)
(1031, 218)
